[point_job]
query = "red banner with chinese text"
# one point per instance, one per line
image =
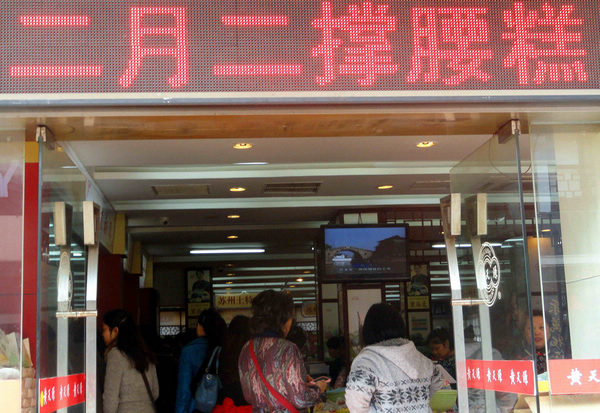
(60, 392)
(574, 376)
(510, 376)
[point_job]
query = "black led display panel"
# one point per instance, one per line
(253, 50)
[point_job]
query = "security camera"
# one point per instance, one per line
(164, 220)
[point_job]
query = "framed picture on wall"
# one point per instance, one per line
(358, 302)
(199, 293)
(418, 288)
(419, 323)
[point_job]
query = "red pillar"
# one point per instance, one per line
(30, 239)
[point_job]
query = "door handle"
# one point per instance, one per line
(466, 302)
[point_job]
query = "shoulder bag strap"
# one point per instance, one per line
(148, 387)
(274, 392)
(216, 352)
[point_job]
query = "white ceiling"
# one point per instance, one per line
(348, 169)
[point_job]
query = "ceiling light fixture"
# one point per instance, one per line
(234, 216)
(299, 279)
(229, 274)
(237, 189)
(385, 186)
(251, 163)
(229, 251)
(232, 237)
(292, 286)
(425, 144)
(229, 282)
(242, 145)
(546, 230)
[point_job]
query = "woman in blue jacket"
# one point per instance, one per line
(211, 331)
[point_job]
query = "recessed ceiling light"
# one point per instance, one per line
(68, 167)
(242, 145)
(292, 286)
(306, 272)
(237, 189)
(234, 216)
(385, 186)
(299, 279)
(425, 144)
(251, 163)
(229, 251)
(229, 274)
(228, 288)
(232, 237)
(229, 282)
(546, 230)
(77, 254)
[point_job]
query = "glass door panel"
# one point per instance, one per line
(565, 153)
(62, 280)
(484, 228)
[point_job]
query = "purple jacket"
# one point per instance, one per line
(281, 363)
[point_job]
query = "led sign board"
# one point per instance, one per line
(257, 50)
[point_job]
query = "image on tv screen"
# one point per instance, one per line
(365, 252)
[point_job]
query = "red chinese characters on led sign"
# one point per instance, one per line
(264, 46)
(366, 26)
(273, 69)
(554, 28)
(55, 21)
(462, 27)
(139, 52)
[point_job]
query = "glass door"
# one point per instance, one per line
(66, 283)
(485, 232)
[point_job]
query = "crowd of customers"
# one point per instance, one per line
(260, 365)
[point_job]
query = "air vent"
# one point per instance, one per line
(442, 185)
(181, 190)
(293, 188)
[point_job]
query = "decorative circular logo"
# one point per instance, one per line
(488, 274)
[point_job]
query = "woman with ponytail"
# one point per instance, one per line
(131, 384)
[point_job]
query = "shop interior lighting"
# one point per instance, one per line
(233, 216)
(425, 144)
(299, 279)
(232, 237)
(546, 230)
(237, 189)
(383, 187)
(229, 251)
(493, 244)
(242, 145)
(251, 163)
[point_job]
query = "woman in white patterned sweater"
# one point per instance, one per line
(390, 375)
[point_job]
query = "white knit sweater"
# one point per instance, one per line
(392, 376)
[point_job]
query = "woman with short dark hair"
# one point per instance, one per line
(272, 372)
(390, 374)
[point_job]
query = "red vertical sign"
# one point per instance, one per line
(60, 392)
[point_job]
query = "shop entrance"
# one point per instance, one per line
(479, 169)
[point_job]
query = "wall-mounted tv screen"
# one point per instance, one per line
(364, 252)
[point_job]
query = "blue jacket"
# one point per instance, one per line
(192, 357)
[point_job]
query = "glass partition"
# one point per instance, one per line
(62, 279)
(566, 167)
(12, 361)
(485, 233)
